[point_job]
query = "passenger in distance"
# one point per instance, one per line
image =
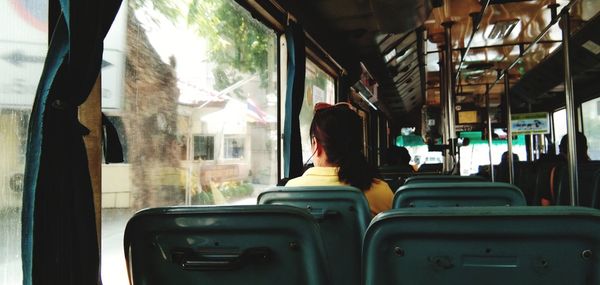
(580, 144)
(398, 159)
(548, 197)
(336, 143)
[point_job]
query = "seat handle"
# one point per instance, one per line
(322, 214)
(207, 259)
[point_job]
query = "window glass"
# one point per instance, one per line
(475, 157)
(23, 46)
(234, 147)
(204, 147)
(559, 120)
(591, 125)
(318, 87)
(192, 87)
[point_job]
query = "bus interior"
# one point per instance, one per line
(115, 106)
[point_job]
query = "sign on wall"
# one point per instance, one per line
(530, 123)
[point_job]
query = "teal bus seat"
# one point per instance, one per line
(483, 245)
(442, 179)
(589, 185)
(458, 194)
(266, 244)
(343, 215)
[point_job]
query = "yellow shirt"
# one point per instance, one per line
(379, 196)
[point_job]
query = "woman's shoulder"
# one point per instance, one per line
(380, 185)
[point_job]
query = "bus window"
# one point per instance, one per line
(591, 125)
(559, 121)
(23, 45)
(318, 87)
(193, 89)
(474, 157)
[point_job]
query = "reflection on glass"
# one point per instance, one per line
(23, 45)
(318, 87)
(191, 88)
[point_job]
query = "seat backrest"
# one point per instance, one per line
(458, 194)
(542, 188)
(431, 167)
(254, 244)
(483, 245)
(524, 179)
(343, 215)
(442, 179)
(587, 190)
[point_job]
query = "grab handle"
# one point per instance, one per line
(219, 258)
(322, 214)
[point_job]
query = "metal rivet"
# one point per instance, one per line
(309, 207)
(294, 245)
(398, 251)
(587, 254)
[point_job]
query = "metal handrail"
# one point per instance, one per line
(475, 30)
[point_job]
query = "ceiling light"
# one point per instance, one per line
(390, 55)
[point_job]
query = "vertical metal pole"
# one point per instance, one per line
(443, 94)
(489, 129)
(450, 100)
(378, 150)
(570, 105)
(511, 168)
(443, 101)
(449, 106)
(533, 146)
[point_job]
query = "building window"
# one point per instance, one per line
(234, 147)
(204, 147)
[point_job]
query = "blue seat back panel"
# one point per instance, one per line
(458, 194)
(442, 179)
(225, 245)
(516, 245)
(343, 215)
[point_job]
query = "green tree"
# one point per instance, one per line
(238, 44)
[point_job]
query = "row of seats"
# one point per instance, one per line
(545, 179)
(319, 235)
(549, 180)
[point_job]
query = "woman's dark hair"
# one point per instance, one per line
(339, 130)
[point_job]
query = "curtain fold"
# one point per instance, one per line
(296, 72)
(59, 241)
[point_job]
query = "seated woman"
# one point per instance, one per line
(336, 142)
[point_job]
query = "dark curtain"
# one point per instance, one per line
(296, 71)
(59, 242)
